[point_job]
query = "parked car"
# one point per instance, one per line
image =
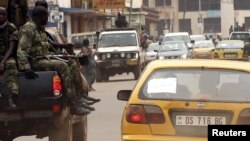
(203, 49)
(177, 99)
(229, 50)
(240, 35)
(151, 52)
(178, 36)
(173, 50)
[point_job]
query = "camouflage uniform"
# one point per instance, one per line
(32, 50)
(8, 33)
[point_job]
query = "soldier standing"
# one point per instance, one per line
(32, 54)
(8, 43)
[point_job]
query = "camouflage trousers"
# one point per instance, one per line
(68, 71)
(11, 76)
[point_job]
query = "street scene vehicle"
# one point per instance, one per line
(118, 51)
(173, 50)
(178, 99)
(203, 49)
(240, 35)
(77, 40)
(41, 106)
(151, 52)
(229, 50)
(179, 36)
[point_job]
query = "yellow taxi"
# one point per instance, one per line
(175, 100)
(229, 50)
(203, 49)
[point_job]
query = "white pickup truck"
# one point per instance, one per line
(118, 51)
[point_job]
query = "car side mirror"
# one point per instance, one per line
(192, 41)
(124, 95)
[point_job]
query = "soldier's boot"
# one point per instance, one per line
(77, 109)
(82, 100)
(92, 99)
(11, 103)
(87, 106)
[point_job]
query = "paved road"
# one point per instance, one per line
(104, 123)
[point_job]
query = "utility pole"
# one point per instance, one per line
(130, 12)
(200, 16)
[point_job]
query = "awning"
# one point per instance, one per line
(74, 10)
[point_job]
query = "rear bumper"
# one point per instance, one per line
(160, 138)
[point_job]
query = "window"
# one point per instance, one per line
(185, 25)
(188, 5)
(212, 25)
(208, 84)
(210, 5)
(161, 25)
(241, 4)
(247, 23)
(161, 2)
(146, 2)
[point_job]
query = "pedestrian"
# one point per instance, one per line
(8, 67)
(89, 70)
(31, 55)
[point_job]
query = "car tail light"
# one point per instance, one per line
(144, 114)
(56, 108)
(216, 55)
(57, 86)
(244, 117)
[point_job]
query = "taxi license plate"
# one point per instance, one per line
(116, 63)
(200, 120)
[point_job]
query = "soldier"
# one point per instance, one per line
(32, 54)
(8, 43)
(18, 12)
(79, 79)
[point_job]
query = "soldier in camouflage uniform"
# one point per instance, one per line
(32, 54)
(8, 42)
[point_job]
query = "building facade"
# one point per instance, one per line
(201, 16)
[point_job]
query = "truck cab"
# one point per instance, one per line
(118, 51)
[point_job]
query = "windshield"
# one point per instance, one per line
(230, 45)
(240, 36)
(203, 44)
(193, 84)
(153, 46)
(184, 38)
(118, 40)
(173, 47)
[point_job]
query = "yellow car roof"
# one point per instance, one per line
(196, 63)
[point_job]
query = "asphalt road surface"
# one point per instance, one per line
(104, 123)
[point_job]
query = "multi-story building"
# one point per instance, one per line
(201, 16)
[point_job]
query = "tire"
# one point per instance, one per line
(137, 72)
(80, 130)
(64, 133)
(6, 139)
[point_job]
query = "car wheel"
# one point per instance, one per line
(80, 130)
(63, 133)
